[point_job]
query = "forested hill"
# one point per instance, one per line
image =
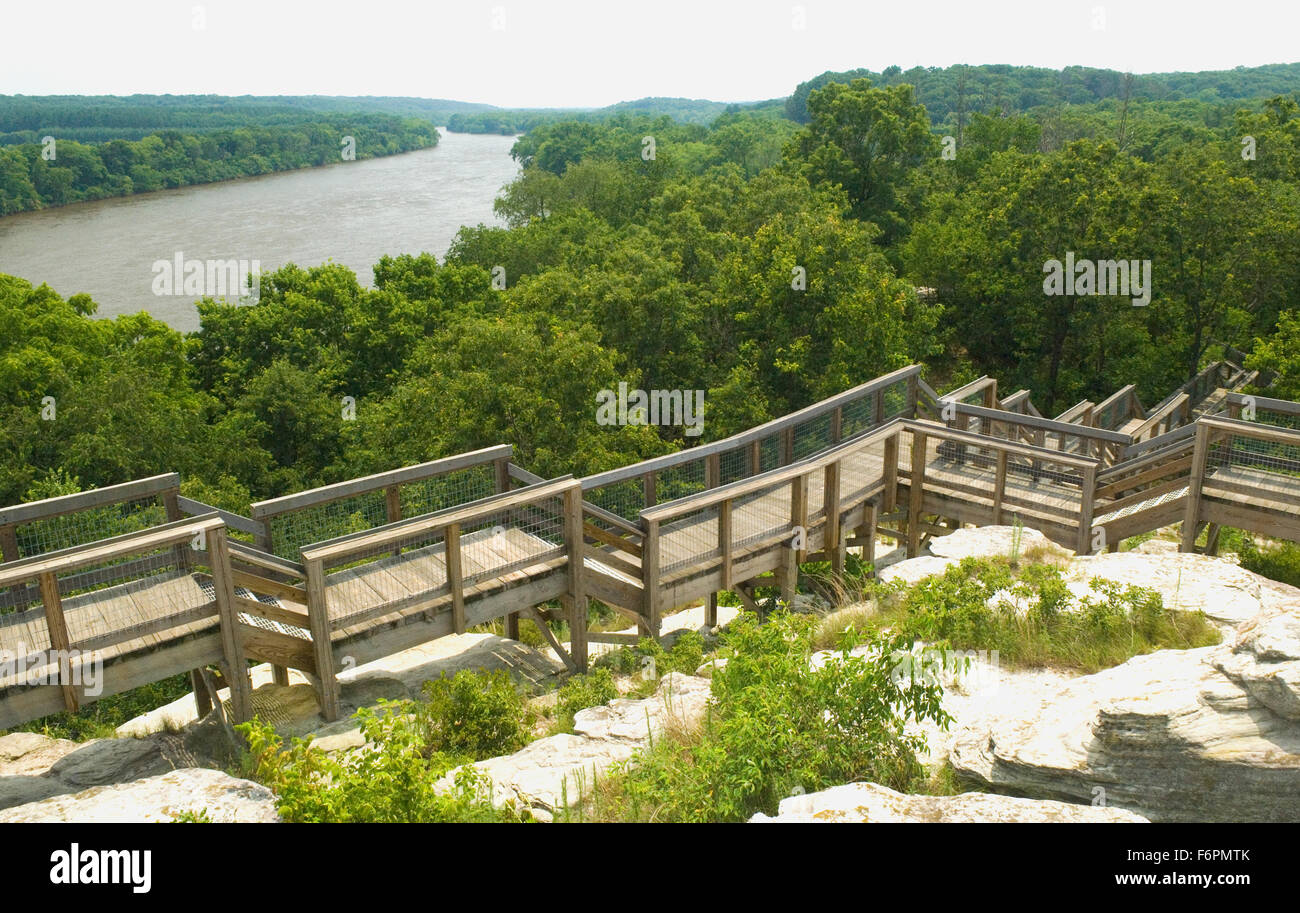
(1011, 89)
(97, 118)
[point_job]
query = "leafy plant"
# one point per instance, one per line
(392, 778)
(475, 714)
(779, 723)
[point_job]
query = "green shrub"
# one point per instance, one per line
(686, 655)
(967, 607)
(475, 714)
(1279, 561)
(580, 692)
(389, 780)
(778, 725)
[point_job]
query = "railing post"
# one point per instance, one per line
(1192, 512)
(713, 470)
(577, 594)
(241, 688)
(60, 643)
(831, 538)
(650, 577)
(889, 499)
(318, 618)
(878, 408)
(1088, 492)
(787, 445)
(455, 578)
(915, 491)
(501, 475)
(724, 550)
(648, 489)
(999, 487)
(913, 394)
(837, 424)
(755, 457)
(799, 512)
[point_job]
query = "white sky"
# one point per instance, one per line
(557, 53)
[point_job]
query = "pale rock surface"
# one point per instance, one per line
(559, 768)
(156, 799)
(869, 803)
(1211, 734)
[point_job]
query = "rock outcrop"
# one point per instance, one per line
(34, 767)
(868, 803)
(214, 795)
(1211, 734)
(553, 771)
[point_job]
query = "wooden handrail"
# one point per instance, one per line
(1271, 433)
(1285, 406)
(84, 500)
(700, 500)
(104, 549)
(744, 438)
(1043, 424)
(462, 514)
(326, 494)
(1080, 410)
(192, 508)
(1159, 414)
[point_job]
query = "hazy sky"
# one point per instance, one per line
(571, 53)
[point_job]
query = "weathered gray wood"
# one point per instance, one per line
(916, 492)
(19, 514)
(241, 687)
(57, 626)
(577, 577)
(328, 493)
(1192, 513)
(318, 616)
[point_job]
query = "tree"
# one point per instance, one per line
(871, 142)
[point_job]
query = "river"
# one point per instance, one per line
(353, 213)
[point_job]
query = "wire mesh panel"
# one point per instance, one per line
(812, 436)
(761, 516)
(336, 517)
(622, 498)
(734, 465)
(410, 568)
(1247, 452)
(689, 540)
(679, 481)
(1278, 418)
(52, 534)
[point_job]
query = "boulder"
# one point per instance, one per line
(1211, 734)
(1224, 591)
(160, 798)
(989, 541)
(551, 771)
(868, 803)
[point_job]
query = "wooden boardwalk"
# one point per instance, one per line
(141, 583)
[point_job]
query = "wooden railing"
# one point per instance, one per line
(292, 521)
(850, 477)
(1065, 437)
(1233, 444)
(552, 514)
(68, 578)
(780, 442)
(1073, 478)
(37, 527)
(1116, 410)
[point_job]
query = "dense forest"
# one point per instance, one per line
(36, 174)
(671, 267)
